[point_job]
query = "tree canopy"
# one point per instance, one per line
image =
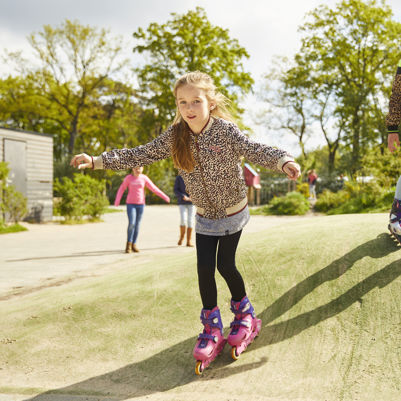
(63, 92)
(186, 43)
(344, 68)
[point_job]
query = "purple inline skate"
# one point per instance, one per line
(395, 220)
(211, 341)
(244, 328)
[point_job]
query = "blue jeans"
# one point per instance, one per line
(134, 213)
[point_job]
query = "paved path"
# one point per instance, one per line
(50, 254)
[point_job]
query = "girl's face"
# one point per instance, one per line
(137, 170)
(193, 106)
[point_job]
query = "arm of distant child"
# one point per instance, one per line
(149, 184)
(121, 191)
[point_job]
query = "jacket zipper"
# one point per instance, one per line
(202, 173)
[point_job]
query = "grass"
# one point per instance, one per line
(326, 288)
(113, 210)
(87, 219)
(13, 228)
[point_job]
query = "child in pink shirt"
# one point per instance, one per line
(136, 183)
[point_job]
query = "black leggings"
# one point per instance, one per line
(206, 247)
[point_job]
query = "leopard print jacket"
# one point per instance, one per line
(393, 118)
(217, 182)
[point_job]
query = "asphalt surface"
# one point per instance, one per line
(52, 253)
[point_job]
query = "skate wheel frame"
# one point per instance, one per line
(199, 368)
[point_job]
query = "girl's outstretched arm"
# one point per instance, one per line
(292, 169)
(121, 159)
(82, 161)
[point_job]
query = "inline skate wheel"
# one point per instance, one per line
(234, 353)
(199, 368)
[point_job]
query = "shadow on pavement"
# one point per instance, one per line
(91, 253)
(174, 367)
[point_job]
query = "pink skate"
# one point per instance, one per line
(244, 328)
(211, 342)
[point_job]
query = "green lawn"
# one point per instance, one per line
(13, 228)
(326, 288)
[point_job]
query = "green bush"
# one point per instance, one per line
(12, 202)
(303, 188)
(293, 203)
(355, 198)
(328, 200)
(81, 196)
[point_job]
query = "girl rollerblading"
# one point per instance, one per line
(244, 328)
(207, 148)
(211, 341)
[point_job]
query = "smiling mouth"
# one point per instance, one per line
(191, 117)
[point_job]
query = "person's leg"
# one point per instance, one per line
(395, 214)
(398, 190)
(191, 214)
(183, 227)
(189, 209)
(139, 212)
(131, 224)
(226, 265)
(206, 246)
(190, 218)
(211, 341)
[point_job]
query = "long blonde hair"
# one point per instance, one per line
(182, 155)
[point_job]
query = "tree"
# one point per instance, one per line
(350, 49)
(172, 51)
(339, 81)
(75, 61)
(290, 108)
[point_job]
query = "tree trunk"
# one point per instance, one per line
(73, 135)
(332, 159)
(355, 158)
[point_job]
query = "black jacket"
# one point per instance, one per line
(179, 190)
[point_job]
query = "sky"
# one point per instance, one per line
(265, 28)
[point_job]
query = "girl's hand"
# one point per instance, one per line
(82, 161)
(393, 142)
(293, 170)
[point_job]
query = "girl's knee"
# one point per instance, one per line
(227, 269)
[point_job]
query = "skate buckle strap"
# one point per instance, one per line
(212, 319)
(244, 323)
(395, 211)
(243, 308)
(205, 336)
(213, 322)
(397, 216)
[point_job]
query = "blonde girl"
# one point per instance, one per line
(207, 147)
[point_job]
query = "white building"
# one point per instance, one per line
(30, 160)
